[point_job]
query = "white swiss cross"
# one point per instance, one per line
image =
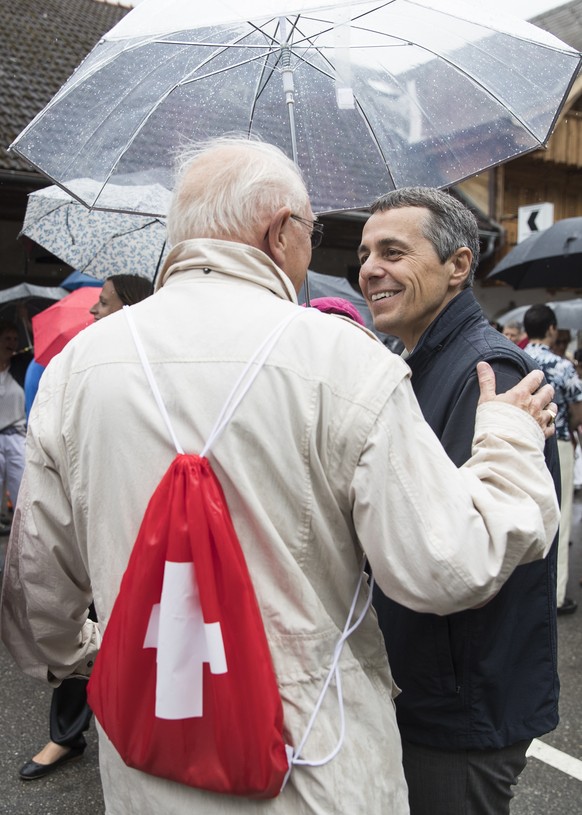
(185, 642)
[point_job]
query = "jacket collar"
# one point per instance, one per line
(451, 318)
(229, 259)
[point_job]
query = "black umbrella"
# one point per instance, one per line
(551, 259)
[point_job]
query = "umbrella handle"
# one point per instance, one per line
(158, 263)
(306, 291)
(289, 90)
(288, 84)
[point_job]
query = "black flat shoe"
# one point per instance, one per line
(33, 770)
(569, 606)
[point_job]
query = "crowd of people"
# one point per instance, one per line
(436, 473)
(542, 339)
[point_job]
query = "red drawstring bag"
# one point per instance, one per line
(183, 684)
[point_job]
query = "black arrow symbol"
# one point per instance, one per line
(531, 221)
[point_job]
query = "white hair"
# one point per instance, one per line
(239, 182)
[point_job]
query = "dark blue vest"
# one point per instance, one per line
(487, 677)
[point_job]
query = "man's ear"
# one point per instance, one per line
(461, 260)
(276, 239)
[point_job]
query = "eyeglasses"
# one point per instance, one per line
(316, 230)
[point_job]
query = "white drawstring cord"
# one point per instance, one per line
(335, 671)
(150, 377)
(235, 399)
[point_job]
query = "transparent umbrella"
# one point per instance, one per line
(364, 96)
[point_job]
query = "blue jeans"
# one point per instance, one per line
(462, 782)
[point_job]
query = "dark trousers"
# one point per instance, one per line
(462, 782)
(70, 714)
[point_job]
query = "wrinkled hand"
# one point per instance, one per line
(527, 395)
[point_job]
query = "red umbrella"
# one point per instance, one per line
(56, 325)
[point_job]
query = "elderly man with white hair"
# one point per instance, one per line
(326, 460)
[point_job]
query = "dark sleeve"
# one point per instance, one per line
(458, 431)
(18, 366)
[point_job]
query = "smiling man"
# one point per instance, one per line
(477, 685)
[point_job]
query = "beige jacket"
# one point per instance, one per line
(328, 452)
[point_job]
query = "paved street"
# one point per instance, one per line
(75, 789)
(544, 790)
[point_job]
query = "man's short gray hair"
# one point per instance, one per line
(515, 324)
(449, 226)
(232, 195)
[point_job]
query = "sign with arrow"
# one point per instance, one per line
(533, 218)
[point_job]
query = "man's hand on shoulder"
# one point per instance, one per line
(527, 395)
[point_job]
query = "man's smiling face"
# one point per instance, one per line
(401, 276)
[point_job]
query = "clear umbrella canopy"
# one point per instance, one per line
(364, 96)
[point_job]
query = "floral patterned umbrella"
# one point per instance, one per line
(96, 243)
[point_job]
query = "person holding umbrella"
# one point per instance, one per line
(317, 468)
